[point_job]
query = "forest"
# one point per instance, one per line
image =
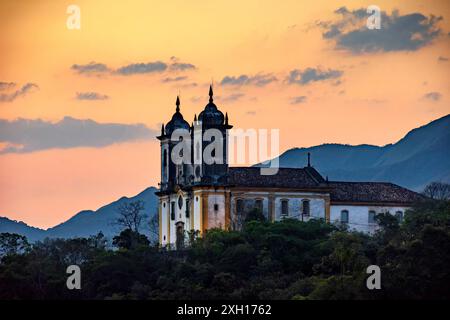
(289, 260)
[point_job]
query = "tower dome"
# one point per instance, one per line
(177, 121)
(211, 115)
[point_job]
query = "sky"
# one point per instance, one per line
(80, 108)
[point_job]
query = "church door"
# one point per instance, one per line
(180, 235)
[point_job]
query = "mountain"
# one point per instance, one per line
(419, 158)
(87, 222)
(19, 227)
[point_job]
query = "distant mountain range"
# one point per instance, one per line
(421, 157)
(87, 222)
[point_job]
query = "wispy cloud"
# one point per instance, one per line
(178, 66)
(298, 99)
(259, 80)
(174, 79)
(442, 59)
(24, 90)
(28, 135)
(140, 68)
(6, 85)
(398, 32)
(96, 68)
(91, 68)
(91, 96)
(308, 75)
(433, 96)
(232, 97)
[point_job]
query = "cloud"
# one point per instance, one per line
(232, 97)
(6, 85)
(177, 66)
(442, 59)
(298, 100)
(28, 135)
(175, 79)
(259, 80)
(308, 75)
(139, 68)
(95, 68)
(25, 89)
(433, 96)
(91, 96)
(251, 113)
(407, 32)
(91, 68)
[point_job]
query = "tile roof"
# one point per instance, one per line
(285, 178)
(371, 192)
(308, 177)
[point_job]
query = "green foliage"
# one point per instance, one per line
(289, 259)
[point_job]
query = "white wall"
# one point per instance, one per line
(216, 219)
(317, 206)
(359, 215)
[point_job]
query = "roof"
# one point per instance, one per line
(301, 178)
(384, 192)
(310, 178)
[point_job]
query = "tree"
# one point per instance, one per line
(130, 216)
(12, 243)
(130, 239)
(154, 226)
(437, 191)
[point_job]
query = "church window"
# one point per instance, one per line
(399, 216)
(188, 209)
(305, 208)
(172, 210)
(344, 216)
(240, 206)
(284, 207)
(372, 215)
(165, 161)
(259, 205)
(164, 204)
(180, 202)
(216, 207)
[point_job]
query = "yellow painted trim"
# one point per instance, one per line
(327, 210)
(205, 212)
(192, 213)
(168, 220)
(200, 213)
(160, 223)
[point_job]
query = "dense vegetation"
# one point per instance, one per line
(284, 260)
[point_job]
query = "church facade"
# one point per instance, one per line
(195, 196)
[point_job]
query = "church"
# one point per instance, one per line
(195, 196)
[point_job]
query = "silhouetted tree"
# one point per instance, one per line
(437, 191)
(130, 215)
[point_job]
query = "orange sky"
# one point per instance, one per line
(380, 97)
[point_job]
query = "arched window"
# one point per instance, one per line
(306, 208)
(399, 216)
(188, 208)
(284, 207)
(344, 216)
(372, 215)
(172, 210)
